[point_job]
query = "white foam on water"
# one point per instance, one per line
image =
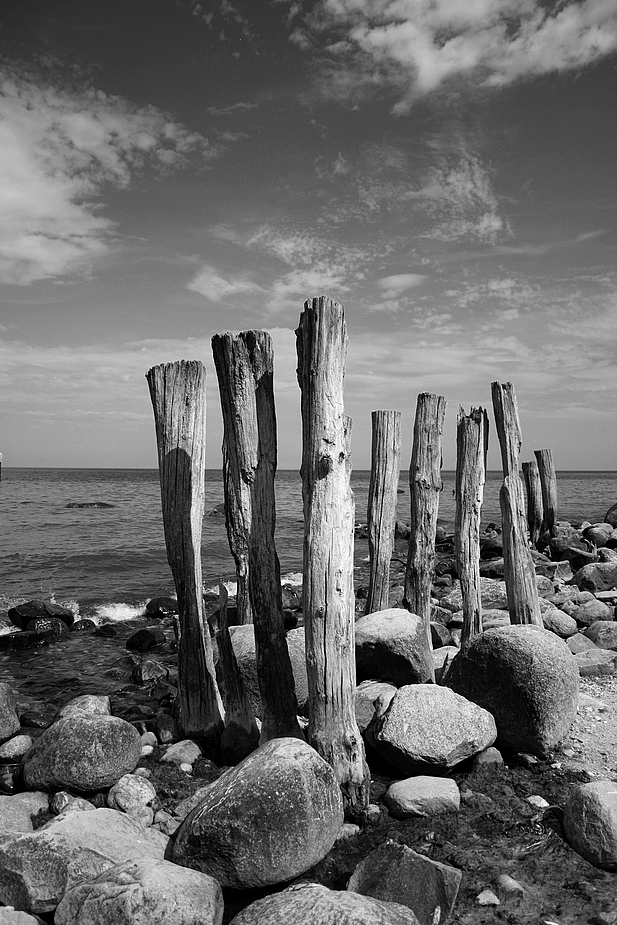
(118, 612)
(292, 579)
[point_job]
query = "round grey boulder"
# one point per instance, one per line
(265, 821)
(527, 678)
(82, 753)
(392, 645)
(317, 905)
(590, 822)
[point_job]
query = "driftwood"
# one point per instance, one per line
(519, 569)
(381, 509)
(178, 393)
(328, 592)
(425, 485)
(548, 481)
(244, 365)
(535, 508)
(471, 449)
(240, 736)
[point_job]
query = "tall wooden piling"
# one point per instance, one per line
(519, 571)
(178, 393)
(245, 369)
(237, 518)
(328, 592)
(471, 448)
(535, 508)
(548, 481)
(381, 508)
(425, 486)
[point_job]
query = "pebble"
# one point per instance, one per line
(509, 888)
(537, 800)
(146, 750)
(186, 767)
(487, 898)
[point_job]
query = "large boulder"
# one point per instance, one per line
(392, 645)
(603, 635)
(598, 534)
(243, 643)
(427, 726)
(590, 822)
(148, 890)
(37, 868)
(267, 820)
(492, 592)
(82, 752)
(317, 905)
(590, 611)
(22, 614)
(597, 576)
(395, 873)
(9, 720)
(367, 692)
(527, 678)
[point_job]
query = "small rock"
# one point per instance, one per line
(487, 898)
(422, 796)
(537, 800)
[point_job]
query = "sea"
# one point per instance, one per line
(106, 562)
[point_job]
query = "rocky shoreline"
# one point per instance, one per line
(475, 810)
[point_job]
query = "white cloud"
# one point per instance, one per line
(416, 46)
(58, 149)
(393, 286)
(209, 283)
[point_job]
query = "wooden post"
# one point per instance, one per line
(471, 448)
(425, 486)
(328, 592)
(178, 393)
(381, 509)
(244, 365)
(519, 572)
(240, 736)
(548, 481)
(535, 508)
(237, 514)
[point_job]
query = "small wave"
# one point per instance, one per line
(118, 612)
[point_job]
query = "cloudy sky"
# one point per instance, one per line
(172, 169)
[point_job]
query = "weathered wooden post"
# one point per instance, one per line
(381, 509)
(240, 736)
(178, 393)
(425, 486)
(535, 509)
(237, 514)
(548, 481)
(245, 369)
(471, 448)
(519, 573)
(328, 592)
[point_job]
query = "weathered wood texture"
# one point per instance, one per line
(245, 369)
(178, 393)
(548, 481)
(381, 508)
(535, 508)
(237, 516)
(471, 448)
(240, 736)
(519, 571)
(328, 592)
(425, 485)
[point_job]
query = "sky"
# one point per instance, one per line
(173, 169)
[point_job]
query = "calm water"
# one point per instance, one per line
(106, 563)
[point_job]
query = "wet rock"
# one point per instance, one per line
(162, 607)
(367, 692)
(22, 614)
(422, 796)
(83, 626)
(391, 645)
(590, 822)
(106, 630)
(167, 729)
(430, 726)
(527, 678)
(147, 638)
(396, 873)
(147, 890)
(603, 634)
(27, 639)
(9, 720)
(267, 820)
(310, 902)
(149, 669)
(38, 867)
(82, 753)
(53, 625)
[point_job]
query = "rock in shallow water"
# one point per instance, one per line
(267, 820)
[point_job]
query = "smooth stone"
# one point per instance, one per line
(590, 822)
(590, 611)
(392, 645)
(395, 873)
(267, 820)
(580, 643)
(82, 753)
(430, 726)
(150, 891)
(422, 796)
(313, 904)
(527, 678)
(185, 752)
(559, 623)
(15, 747)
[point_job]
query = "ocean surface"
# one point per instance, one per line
(106, 563)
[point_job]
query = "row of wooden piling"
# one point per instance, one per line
(244, 365)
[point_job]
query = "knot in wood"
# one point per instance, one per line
(324, 466)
